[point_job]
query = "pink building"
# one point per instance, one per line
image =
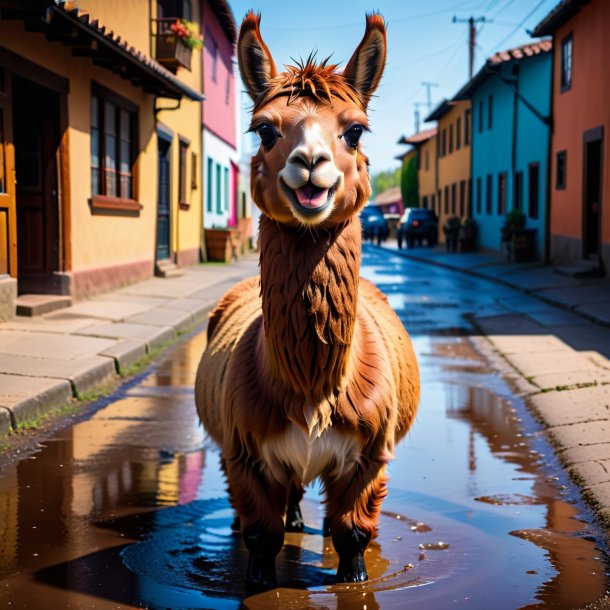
(220, 156)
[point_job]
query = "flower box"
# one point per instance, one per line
(172, 52)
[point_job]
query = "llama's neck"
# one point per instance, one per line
(309, 287)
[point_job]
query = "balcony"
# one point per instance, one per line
(171, 50)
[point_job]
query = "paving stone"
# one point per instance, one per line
(198, 308)
(5, 421)
(108, 309)
(574, 406)
(30, 397)
(585, 292)
(585, 336)
(47, 345)
(517, 344)
(559, 361)
(161, 316)
(599, 311)
(510, 324)
(126, 353)
(572, 378)
(601, 491)
(593, 473)
(585, 453)
(152, 335)
(83, 373)
(588, 433)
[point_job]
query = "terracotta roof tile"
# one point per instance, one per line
(526, 50)
(418, 138)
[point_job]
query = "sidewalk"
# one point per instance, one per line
(555, 351)
(47, 361)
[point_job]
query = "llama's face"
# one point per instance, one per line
(309, 169)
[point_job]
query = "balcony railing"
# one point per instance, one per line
(170, 50)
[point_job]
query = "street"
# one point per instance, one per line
(127, 507)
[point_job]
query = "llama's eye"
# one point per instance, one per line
(267, 134)
(352, 135)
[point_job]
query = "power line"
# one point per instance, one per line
(472, 38)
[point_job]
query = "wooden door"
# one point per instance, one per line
(36, 137)
(164, 201)
(592, 192)
(8, 217)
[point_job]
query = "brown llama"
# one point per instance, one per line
(308, 372)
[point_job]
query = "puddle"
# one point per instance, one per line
(129, 508)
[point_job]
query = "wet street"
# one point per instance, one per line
(127, 506)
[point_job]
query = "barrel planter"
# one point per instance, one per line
(222, 245)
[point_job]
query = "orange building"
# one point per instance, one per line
(452, 161)
(580, 152)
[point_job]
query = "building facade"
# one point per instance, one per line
(580, 151)
(84, 194)
(452, 161)
(220, 140)
(510, 100)
(424, 143)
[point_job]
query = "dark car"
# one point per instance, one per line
(417, 225)
(374, 225)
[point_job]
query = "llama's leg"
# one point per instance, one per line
(294, 517)
(235, 524)
(354, 502)
(260, 504)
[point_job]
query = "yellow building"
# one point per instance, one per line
(100, 145)
(452, 159)
(424, 143)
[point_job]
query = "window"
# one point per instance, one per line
(502, 193)
(479, 196)
(417, 159)
(226, 189)
(113, 137)
(433, 202)
(228, 90)
(458, 134)
(533, 189)
(481, 116)
(427, 160)
(450, 138)
(438, 144)
(183, 199)
(490, 108)
(214, 60)
(193, 171)
(462, 197)
(453, 197)
(3, 185)
(444, 151)
(447, 199)
(566, 63)
(210, 196)
(469, 203)
(440, 202)
(489, 193)
(218, 189)
(518, 194)
(562, 160)
(467, 128)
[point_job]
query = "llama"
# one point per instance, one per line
(308, 372)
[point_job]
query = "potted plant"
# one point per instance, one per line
(468, 235)
(176, 42)
(514, 221)
(451, 229)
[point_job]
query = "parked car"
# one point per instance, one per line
(374, 224)
(417, 225)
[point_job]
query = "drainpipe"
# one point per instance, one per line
(549, 161)
(515, 124)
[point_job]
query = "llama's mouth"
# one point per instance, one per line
(310, 199)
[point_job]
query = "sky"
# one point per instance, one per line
(424, 45)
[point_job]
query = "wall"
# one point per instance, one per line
(427, 176)
(219, 107)
(583, 107)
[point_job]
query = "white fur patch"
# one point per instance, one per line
(305, 457)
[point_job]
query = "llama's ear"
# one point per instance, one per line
(364, 69)
(255, 62)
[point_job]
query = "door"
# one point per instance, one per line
(233, 195)
(163, 207)
(8, 215)
(36, 138)
(593, 177)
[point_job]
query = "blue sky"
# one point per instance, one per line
(423, 45)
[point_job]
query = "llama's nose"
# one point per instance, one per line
(309, 158)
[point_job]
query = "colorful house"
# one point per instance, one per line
(580, 146)
(424, 143)
(510, 99)
(98, 147)
(409, 186)
(221, 163)
(452, 160)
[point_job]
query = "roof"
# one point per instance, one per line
(66, 23)
(392, 195)
(402, 155)
(523, 52)
(418, 138)
(562, 13)
(225, 16)
(440, 111)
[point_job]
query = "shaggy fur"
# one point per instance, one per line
(308, 372)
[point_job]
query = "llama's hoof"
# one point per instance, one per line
(326, 531)
(261, 573)
(294, 520)
(352, 569)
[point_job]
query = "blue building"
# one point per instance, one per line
(511, 102)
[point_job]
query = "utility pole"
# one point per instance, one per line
(472, 38)
(428, 86)
(416, 105)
